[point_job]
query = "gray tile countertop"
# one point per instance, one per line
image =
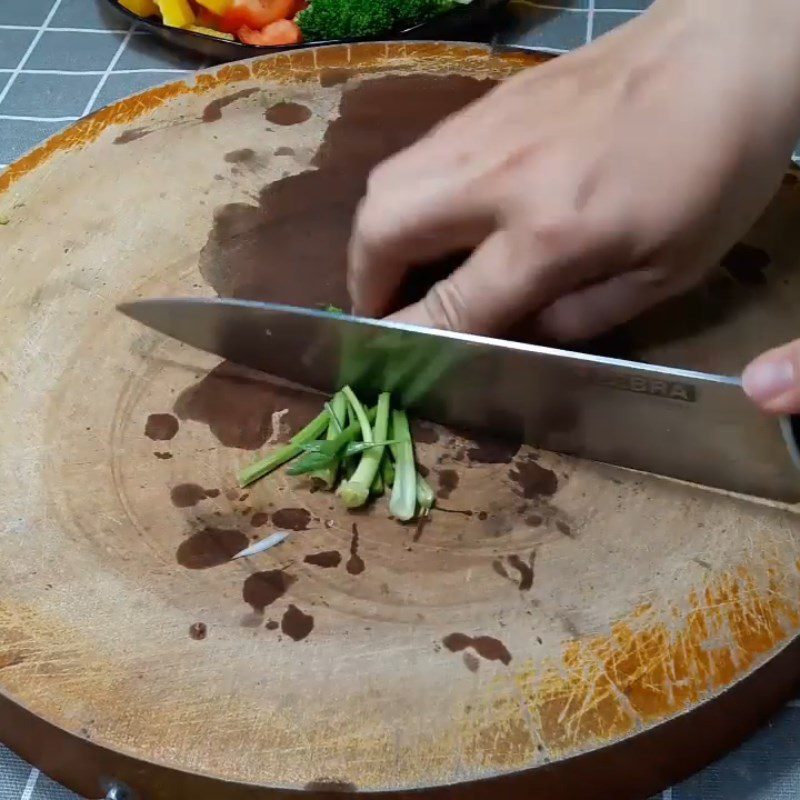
(62, 59)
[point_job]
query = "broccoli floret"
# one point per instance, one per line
(357, 19)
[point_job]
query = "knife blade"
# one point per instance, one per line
(693, 426)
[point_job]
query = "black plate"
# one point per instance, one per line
(471, 21)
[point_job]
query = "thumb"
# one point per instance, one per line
(772, 381)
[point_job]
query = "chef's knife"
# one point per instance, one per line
(692, 426)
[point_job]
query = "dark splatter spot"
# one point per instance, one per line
(334, 76)
(132, 135)
(534, 520)
(334, 787)
(198, 631)
(292, 519)
(569, 626)
(186, 495)
(243, 156)
(287, 114)
(284, 151)
(237, 405)
(564, 528)
(272, 625)
(295, 624)
(259, 519)
(471, 661)
(262, 589)
(213, 111)
(525, 571)
(463, 512)
(497, 566)
(163, 456)
(210, 547)
(420, 529)
(534, 480)
(423, 470)
(326, 559)
(485, 646)
(482, 516)
(746, 264)
(492, 451)
(161, 427)
(355, 564)
(448, 482)
(424, 432)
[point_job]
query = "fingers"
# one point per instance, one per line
(396, 231)
(772, 381)
(599, 307)
(490, 292)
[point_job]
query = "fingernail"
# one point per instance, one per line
(768, 379)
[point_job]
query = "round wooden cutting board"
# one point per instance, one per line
(545, 634)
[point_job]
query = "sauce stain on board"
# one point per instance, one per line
(186, 495)
(259, 519)
(262, 589)
(237, 404)
(534, 480)
(287, 113)
(292, 519)
(198, 631)
(213, 111)
(161, 427)
(448, 483)
(328, 559)
(525, 571)
(492, 451)
(210, 547)
(485, 646)
(295, 624)
(355, 564)
(244, 156)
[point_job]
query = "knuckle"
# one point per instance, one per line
(445, 305)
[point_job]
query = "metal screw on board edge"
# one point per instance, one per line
(117, 791)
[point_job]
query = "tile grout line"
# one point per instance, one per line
(31, 48)
(109, 69)
(590, 22)
(51, 29)
(22, 118)
(141, 70)
(27, 792)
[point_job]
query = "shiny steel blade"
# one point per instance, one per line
(692, 426)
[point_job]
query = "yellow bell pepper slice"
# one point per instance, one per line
(176, 13)
(142, 8)
(211, 32)
(218, 7)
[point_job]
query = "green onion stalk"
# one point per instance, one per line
(355, 490)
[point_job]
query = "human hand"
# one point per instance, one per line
(772, 380)
(596, 185)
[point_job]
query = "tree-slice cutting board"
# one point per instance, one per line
(557, 629)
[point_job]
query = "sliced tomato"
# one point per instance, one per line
(255, 14)
(282, 32)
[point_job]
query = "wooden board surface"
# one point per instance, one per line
(550, 609)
